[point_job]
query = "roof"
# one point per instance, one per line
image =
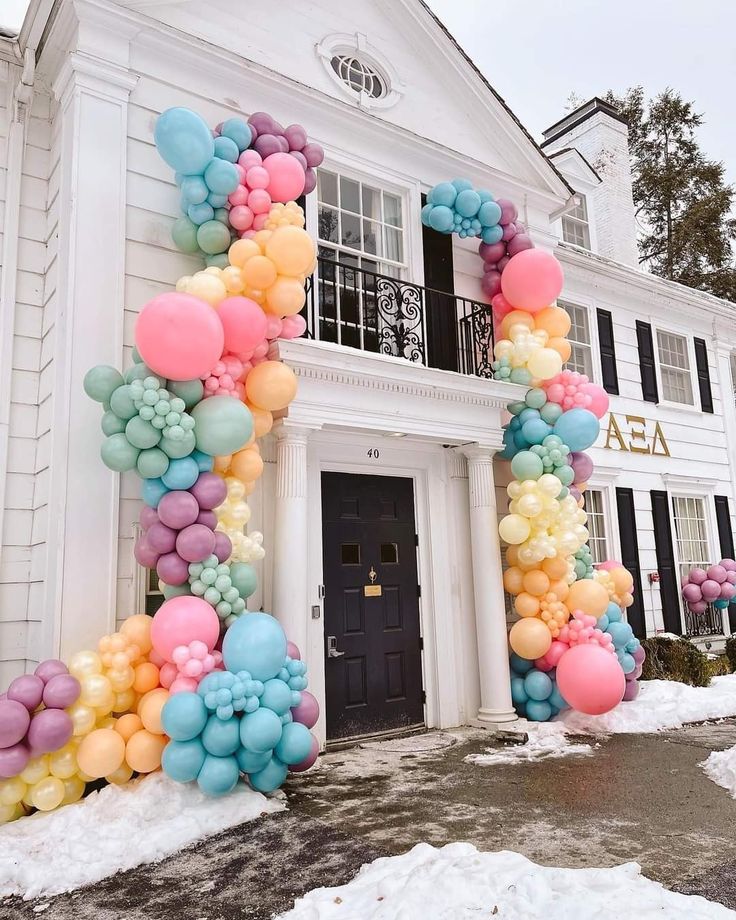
(579, 115)
(557, 153)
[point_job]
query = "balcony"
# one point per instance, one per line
(709, 623)
(362, 309)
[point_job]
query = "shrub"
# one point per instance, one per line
(719, 666)
(731, 651)
(675, 659)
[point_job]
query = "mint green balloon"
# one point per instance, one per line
(170, 591)
(222, 425)
(243, 577)
(191, 391)
(516, 407)
(111, 424)
(184, 235)
(520, 375)
(536, 398)
(141, 433)
(550, 412)
(101, 382)
(139, 371)
(118, 453)
(175, 450)
(526, 465)
(565, 474)
(213, 237)
(219, 261)
(223, 215)
(152, 463)
(122, 403)
(136, 355)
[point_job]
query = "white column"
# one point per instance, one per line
(490, 615)
(82, 539)
(290, 559)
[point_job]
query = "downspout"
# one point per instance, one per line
(20, 108)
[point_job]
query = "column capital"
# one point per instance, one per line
(101, 78)
(480, 476)
(295, 433)
(457, 464)
(479, 453)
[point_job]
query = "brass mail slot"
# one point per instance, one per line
(372, 590)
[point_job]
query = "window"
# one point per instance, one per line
(575, 227)
(154, 595)
(674, 368)
(581, 358)
(360, 71)
(595, 510)
(691, 530)
(358, 75)
(733, 374)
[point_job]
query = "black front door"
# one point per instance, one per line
(373, 668)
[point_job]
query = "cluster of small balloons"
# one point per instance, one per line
(457, 207)
(534, 691)
(715, 585)
(496, 256)
(629, 650)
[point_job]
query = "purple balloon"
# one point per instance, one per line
(208, 518)
(160, 538)
(310, 180)
(632, 690)
(179, 509)
(697, 576)
(210, 491)
(50, 668)
(49, 730)
(698, 606)
(313, 153)
(14, 722)
(509, 211)
(636, 673)
(266, 144)
(731, 578)
(262, 122)
(223, 546)
(490, 266)
(692, 594)
(727, 591)
(490, 284)
(13, 760)
(148, 517)
(308, 760)
(283, 143)
(502, 263)
(300, 158)
(26, 690)
(145, 554)
(711, 589)
(172, 569)
(717, 573)
(292, 650)
(639, 654)
(581, 465)
(492, 252)
(61, 691)
(509, 232)
(195, 543)
(729, 565)
(277, 128)
(575, 492)
(519, 243)
(307, 712)
(296, 136)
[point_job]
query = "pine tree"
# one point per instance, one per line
(683, 203)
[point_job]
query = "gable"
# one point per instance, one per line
(575, 168)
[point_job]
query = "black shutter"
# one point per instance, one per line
(440, 306)
(669, 589)
(608, 352)
(646, 362)
(630, 558)
(701, 363)
(725, 538)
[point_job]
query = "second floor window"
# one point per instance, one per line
(691, 530)
(575, 227)
(581, 357)
(674, 368)
(595, 509)
(733, 374)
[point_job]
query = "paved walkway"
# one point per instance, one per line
(638, 797)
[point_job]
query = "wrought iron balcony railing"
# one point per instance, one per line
(709, 623)
(373, 312)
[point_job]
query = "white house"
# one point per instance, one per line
(380, 497)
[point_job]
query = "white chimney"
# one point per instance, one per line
(601, 135)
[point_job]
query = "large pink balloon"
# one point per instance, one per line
(692, 593)
(532, 280)
(286, 177)
(711, 589)
(590, 679)
(181, 620)
(600, 401)
(717, 573)
(244, 323)
(697, 576)
(179, 336)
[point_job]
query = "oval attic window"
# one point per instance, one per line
(359, 76)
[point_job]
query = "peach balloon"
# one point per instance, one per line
(555, 321)
(561, 346)
(241, 251)
(101, 752)
(137, 629)
(531, 280)
(512, 555)
(536, 582)
(259, 273)
(246, 465)
(149, 709)
(589, 596)
(559, 588)
(120, 776)
(515, 318)
(291, 250)
(530, 638)
(262, 420)
(128, 725)
(526, 605)
(285, 297)
(271, 385)
(143, 751)
(623, 580)
(513, 580)
(556, 567)
(146, 677)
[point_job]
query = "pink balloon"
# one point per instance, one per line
(697, 576)
(582, 466)
(520, 243)
(50, 668)
(307, 712)
(148, 517)
(501, 306)
(160, 538)
(241, 217)
(310, 180)
(210, 490)
(238, 199)
(692, 593)
(249, 158)
(172, 569)
(195, 543)
(178, 509)
(243, 321)
(292, 327)
(509, 211)
(552, 657)
(314, 153)
(490, 284)
(208, 518)
(731, 578)
(292, 650)
(14, 722)
(491, 252)
(308, 760)
(717, 573)
(699, 606)
(599, 397)
(273, 328)
(223, 546)
(639, 655)
(27, 690)
(286, 176)
(183, 684)
(61, 691)
(502, 263)
(729, 565)
(259, 202)
(590, 679)
(181, 620)
(257, 177)
(632, 690)
(179, 336)
(711, 589)
(532, 280)
(145, 554)
(13, 760)
(727, 591)
(509, 232)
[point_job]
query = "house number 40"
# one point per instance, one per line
(374, 453)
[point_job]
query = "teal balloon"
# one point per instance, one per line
(121, 403)
(200, 213)
(613, 612)
(213, 237)
(219, 261)
(627, 663)
(277, 697)
(184, 716)
(538, 710)
(270, 777)
(578, 428)
(218, 202)
(118, 453)
(221, 736)
(175, 450)
(535, 430)
(181, 474)
(536, 398)
(519, 664)
(492, 235)
(260, 731)
(223, 215)
(226, 149)
(538, 685)
(138, 371)
(602, 622)
(238, 130)
(445, 194)
(111, 424)
(461, 184)
(244, 578)
(527, 414)
(152, 463)
(250, 762)
(489, 213)
(222, 425)
(184, 235)
(620, 633)
(468, 203)
(518, 692)
(152, 491)
(527, 465)
(141, 433)
(182, 760)
(441, 219)
(205, 463)
(550, 412)
(191, 391)
(219, 775)
(556, 699)
(184, 140)
(295, 743)
(565, 474)
(136, 355)
(255, 643)
(101, 382)
(170, 591)
(221, 177)
(515, 408)
(194, 190)
(518, 374)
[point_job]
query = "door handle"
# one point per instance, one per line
(332, 651)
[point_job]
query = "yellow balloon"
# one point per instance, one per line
(589, 596)
(530, 638)
(121, 776)
(285, 297)
(271, 385)
(208, 287)
(10, 813)
(291, 250)
(514, 528)
(96, 692)
(514, 318)
(73, 789)
(125, 701)
(555, 321)
(232, 279)
(544, 363)
(63, 763)
(48, 793)
(84, 663)
(83, 718)
(121, 680)
(259, 273)
(35, 770)
(241, 251)
(12, 790)
(101, 752)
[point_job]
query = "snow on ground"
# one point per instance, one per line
(546, 740)
(661, 704)
(458, 882)
(721, 768)
(115, 829)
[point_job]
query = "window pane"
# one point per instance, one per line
(581, 359)
(349, 195)
(350, 553)
(394, 248)
(674, 367)
(350, 231)
(327, 187)
(389, 553)
(328, 223)
(575, 231)
(371, 237)
(371, 202)
(392, 209)
(672, 350)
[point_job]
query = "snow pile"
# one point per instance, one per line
(547, 740)
(660, 704)
(721, 768)
(115, 829)
(457, 882)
